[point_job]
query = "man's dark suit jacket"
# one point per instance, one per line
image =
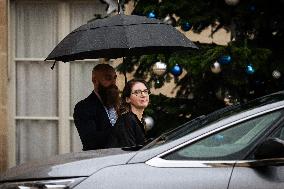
(92, 123)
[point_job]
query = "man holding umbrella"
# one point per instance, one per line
(114, 37)
(95, 115)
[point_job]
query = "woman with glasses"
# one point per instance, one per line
(129, 130)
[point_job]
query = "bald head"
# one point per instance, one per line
(103, 74)
(102, 68)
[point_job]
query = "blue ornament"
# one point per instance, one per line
(176, 70)
(225, 59)
(252, 8)
(186, 26)
(250, 69)
(151, 14)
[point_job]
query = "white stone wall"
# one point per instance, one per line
(3, 85)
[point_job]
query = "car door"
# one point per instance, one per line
(143, 176)
(260, 174)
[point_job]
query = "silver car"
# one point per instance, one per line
(238, 147)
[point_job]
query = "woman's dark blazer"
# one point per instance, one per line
(127, 132)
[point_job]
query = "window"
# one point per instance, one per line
(230, 144)
(45, 98)
(279, 133)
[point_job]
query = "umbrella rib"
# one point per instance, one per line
(93, 28)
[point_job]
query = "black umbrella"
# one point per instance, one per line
(120, 36)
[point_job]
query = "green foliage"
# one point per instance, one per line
(257, 28)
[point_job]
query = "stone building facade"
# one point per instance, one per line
(3, 85)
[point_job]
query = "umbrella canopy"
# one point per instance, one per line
(120, 36)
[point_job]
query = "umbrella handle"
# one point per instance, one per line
(124, 73)
(118, 6)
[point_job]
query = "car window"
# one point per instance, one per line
(279, 133)
(204, 121)
(230, 144)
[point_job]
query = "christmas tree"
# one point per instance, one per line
(248, 67)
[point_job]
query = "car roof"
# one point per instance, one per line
(239, 112)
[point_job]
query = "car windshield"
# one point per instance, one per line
(203, 121)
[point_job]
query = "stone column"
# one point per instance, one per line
(3, 85)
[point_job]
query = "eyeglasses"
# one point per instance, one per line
(139, 92)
